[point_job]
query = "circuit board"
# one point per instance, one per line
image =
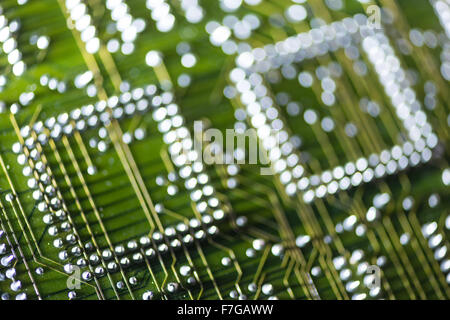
(340, 190)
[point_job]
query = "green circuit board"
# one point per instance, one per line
(339, 191)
